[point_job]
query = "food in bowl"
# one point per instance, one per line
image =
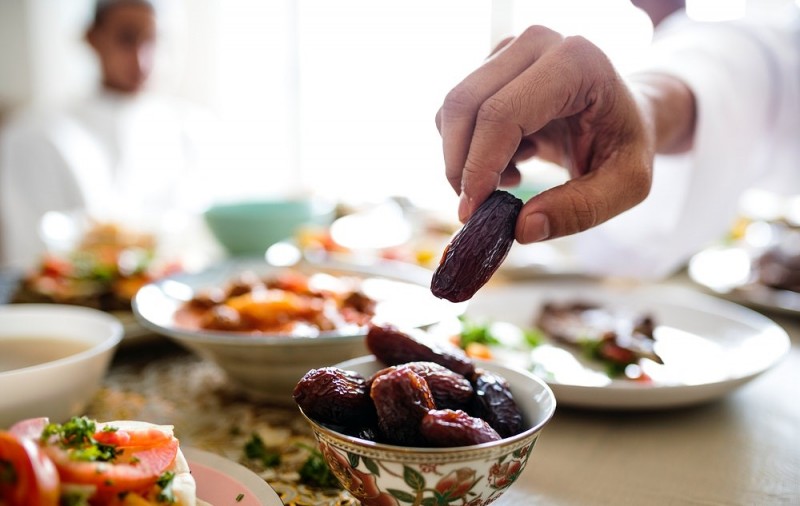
(396, 443)
(119, 463)
(288, 302)
(103, 271)
(53, 359)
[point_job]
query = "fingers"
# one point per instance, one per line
(457, 117)
(588, 200)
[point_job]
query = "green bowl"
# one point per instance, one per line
(250, 227)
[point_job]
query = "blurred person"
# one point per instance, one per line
(666, 151)
(121, 154)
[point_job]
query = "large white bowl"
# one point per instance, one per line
(60, 388)
(379, 474)
(268, 366)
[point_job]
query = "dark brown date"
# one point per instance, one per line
(334, 396)
(402, 398)
(450, 390)
(495, 403)
(393, 346)
(445, 427)
(478, 249)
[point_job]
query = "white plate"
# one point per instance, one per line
(223, 482)
(709, 346)
(728, 271)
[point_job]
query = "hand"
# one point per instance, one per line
(559, 99)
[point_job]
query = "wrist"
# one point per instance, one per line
(667, 106)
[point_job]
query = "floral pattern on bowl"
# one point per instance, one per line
(383, 482)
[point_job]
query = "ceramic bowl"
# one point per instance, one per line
(67, 352)
(268, 366)
(381, 474)
(250, 227)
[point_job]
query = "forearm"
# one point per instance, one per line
(668, 107)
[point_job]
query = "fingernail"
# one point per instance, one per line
(536, 228)
(463, 207)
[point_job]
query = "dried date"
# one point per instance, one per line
(445, 427)
(478, 249)
(334, 396)
(402, 398)
(449, 389)
(393, 346)
(495, 403)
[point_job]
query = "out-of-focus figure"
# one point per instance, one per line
(121, 154)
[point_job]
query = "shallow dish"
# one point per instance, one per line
(268, 366)
(379, 474)
(709, 346)
(221, 481)
(57, 388)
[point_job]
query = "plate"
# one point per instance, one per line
(709, 346)
(728, 272)
(403, 297)
(222, 482)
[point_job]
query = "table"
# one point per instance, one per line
(741, 450)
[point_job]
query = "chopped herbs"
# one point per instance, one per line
(77, 436)
(239, 497)
(472, 332)
(74, 498)
(8, 475)
(315, 471)
(255, 449)
(166, 495)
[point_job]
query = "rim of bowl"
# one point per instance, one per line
(111, 341)
(356, 441)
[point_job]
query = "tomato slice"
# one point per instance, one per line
(26, 475)
(146, 451)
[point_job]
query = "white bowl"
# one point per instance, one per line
(268, 366)
(56, 388)
(378, 473)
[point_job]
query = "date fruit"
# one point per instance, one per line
(478, 249)
(445, 427)
(334, 396)
(402, 398)
(450, 390)
(393, 346)
(495, 403)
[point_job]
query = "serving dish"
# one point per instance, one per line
(267, 366)
(379, 473)
(709, 346)
(221, 481)
(58, 385)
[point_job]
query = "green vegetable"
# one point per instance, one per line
(77, 436)
(473, 332)
(315, 471)
(239, 497)
(8, 475)
(164, 482)
(255, 449)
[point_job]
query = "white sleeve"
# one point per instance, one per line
(746, 82)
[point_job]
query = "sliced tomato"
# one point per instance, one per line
(26, 475)
(147, 451)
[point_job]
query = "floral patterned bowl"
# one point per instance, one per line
(386, 475)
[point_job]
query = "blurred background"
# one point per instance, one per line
(335, 99)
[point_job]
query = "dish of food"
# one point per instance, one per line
(708, 346)
(223, 482)
(254, 299)
(83, 461)
(764, 280)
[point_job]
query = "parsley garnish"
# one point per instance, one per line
(77, 436)
(74, 499)
(165, 484)
(472, 332)
(255, 449)
(239, 497)
(315, 471)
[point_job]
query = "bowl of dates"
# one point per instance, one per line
(421, 424)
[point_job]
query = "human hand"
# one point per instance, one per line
(560, 99)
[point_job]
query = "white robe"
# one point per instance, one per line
(746, 80)
(111, 156)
